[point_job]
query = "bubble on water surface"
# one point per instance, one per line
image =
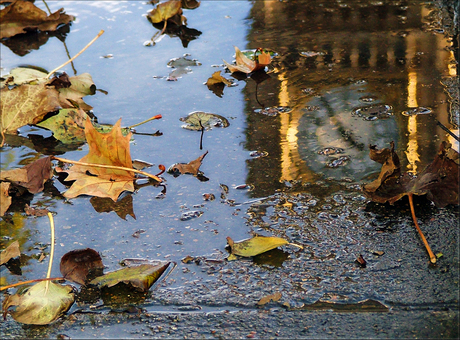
(373, 112)
(330, 151)
(273, 111)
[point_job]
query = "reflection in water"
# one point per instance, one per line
(335, 59)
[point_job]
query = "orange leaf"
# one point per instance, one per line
(110, 148)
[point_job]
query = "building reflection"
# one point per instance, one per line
(333, 58)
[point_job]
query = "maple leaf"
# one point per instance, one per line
(247, 65)
(110, 148)
(23, 16)
(439, 180)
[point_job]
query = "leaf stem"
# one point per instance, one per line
(414, 218)
(31, 281)
(145, 121)
(156, 178)
(78, 54)
(50, 264)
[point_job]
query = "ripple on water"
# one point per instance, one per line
(414, 111)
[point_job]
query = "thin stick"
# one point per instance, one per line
(427, 246)
(31, 281)
(78, 54)
(145, 121)
(50, 264)
(448, 131)
(108, 167)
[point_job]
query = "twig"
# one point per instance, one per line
(156, 178)
(78, 54)
(159, 34)
(427, 246)
(145, 121)
(50, 264)
(31, 281)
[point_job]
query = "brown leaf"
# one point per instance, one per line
(32, 176)
(26, 104)
(439, 180)
(35, 211)
(81, 265)
(110, 148)
(23, 16)
(10, 252)
(216, 78)
(247, 65)
(272, 297)
(191, 168)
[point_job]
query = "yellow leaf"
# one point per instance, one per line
(255, 246)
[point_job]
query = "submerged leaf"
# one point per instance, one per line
(254, 246)
(40, 304)
(140, 277)
(202, 120)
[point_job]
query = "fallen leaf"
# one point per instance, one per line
(80, 265)
(198, 121)
(68, 126)
(23, 75)
(191, 168)
(254, 246)
(272, 297)
(110, 148)
(35, 211)
(26, 104)
(190, 4)
(10, 252)
(439, 180)
(140, 277)
(81, 86)
(165, 11)
(246, 65)
(6, 199)
(32, 176)
(40, 304)
(23, 16)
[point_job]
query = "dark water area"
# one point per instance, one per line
(290, 163)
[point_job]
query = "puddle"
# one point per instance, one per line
(288, 161)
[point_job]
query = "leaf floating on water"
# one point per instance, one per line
(140, 277)
(198, 120)
(68, 126)
(23, 16)
(272, 297)
(261, 58)
(254, 246)
(191, 168)
(78, 265)
(10, 252)
(40, 304)
(165, 11)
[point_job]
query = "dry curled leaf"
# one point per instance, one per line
(10, 252)
(439, 180)
(254, 246)
(191, 168)
(23, 16)
(247, 65)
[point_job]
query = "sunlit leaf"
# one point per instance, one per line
(198, 120)
(164, 11)
(23, 16)
(140, 277)
(22, 75)
(247, 65)
(217, 78)
(40, 304)
(26, 104)
(110, 148)
(10, 252)
(254, 246)
(5, 200)
(80, 264)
